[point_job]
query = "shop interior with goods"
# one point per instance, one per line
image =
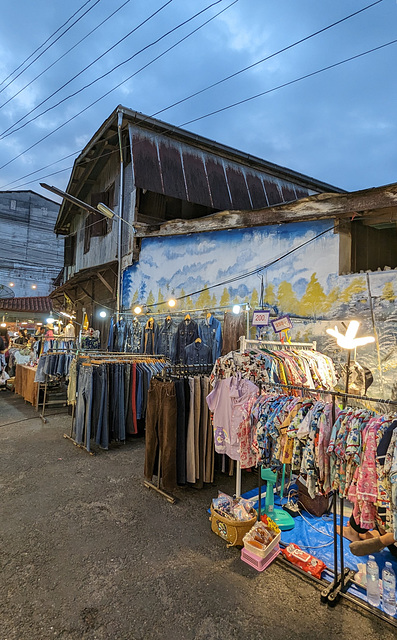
(227, 391)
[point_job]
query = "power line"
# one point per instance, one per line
(215, 84)
(52, 44)
(286, 84)
(272, 55)
(44, 43)
(82, 71)
(55, 62)
(218, 110)
(90, 84)
(108, 92)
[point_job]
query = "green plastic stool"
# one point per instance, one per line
(283, 520)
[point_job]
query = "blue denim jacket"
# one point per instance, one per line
(210, 331)
(186, 334)
(166, 339)
(197, 353)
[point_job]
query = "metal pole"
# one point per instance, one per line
(121, 187)
(375, 333)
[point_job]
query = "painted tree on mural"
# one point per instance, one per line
(332, 299)
(358, 285)
(254, 302)
(388, 292)
(142, 291)
(225, 298)
(204, 299)
(160, 301)
(270, 296)
(150, 299)
(135, 297)
(314, 299)
(185, 303)
(286, 298)
(213, 301)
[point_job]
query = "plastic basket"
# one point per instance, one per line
(233, 531)
(262, 553)
(256, 562)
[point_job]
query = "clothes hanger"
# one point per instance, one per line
(187, 317)
(197, 340)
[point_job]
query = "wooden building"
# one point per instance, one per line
(150, 172)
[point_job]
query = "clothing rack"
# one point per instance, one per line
(343, 578)
(243, 347)
(102, 356)
(45, 385)
(178, 371)
(282, 345)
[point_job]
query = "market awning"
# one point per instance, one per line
(37, 304)
(94, 284)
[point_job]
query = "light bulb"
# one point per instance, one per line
(236, 309)
(103, 314)
(138, 310)
(171, 302)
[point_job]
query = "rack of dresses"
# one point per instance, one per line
(108, 393)
(337, 450)
(178, 430)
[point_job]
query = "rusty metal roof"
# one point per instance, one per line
(172, 161)
(39, 304)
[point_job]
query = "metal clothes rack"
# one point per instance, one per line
(106, 356)
(45, 386)
(178, 371)
(244, 342)
(343, 579)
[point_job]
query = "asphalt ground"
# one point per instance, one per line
(87, 552)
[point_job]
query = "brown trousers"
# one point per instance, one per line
(161, 424)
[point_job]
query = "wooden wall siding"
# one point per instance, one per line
(31, 253)
(174, 168)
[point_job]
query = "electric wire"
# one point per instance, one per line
(228, 77)
(286, 84)
(49, 46)
(4, 134)
(56, 61)
(85, 69)
(272, 55)
(101, 97)
(44, 43)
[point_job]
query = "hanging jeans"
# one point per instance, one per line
(117, 407)
(100, 406)
(161, 426)
(84, 406)
(181, 431)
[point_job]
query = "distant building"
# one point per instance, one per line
(31, 256)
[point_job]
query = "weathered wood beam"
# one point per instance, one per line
(319, 207)
(105, 282)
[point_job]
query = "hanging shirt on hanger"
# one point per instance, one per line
(186, 334)
(166, 338)
(210, 331)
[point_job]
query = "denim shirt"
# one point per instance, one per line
(197, 353)
(186, 334)
(133, 340)
(210, 331)
(166, 339)
(149, 337)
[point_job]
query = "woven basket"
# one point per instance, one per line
(233, 531)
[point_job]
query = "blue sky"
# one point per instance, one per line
(338, 126)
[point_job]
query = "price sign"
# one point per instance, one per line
(260, 318)
(281, 324)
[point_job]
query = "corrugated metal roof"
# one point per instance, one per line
(40, 304)
(177, 169)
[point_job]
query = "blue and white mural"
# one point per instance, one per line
(299, 280)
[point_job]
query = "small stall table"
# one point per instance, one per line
(24, 384)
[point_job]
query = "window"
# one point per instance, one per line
(373, 245)
(96, 224)
(70, 251)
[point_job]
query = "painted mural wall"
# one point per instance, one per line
(300, 273)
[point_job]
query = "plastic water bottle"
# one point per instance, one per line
(389, 589)
(373, 593)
